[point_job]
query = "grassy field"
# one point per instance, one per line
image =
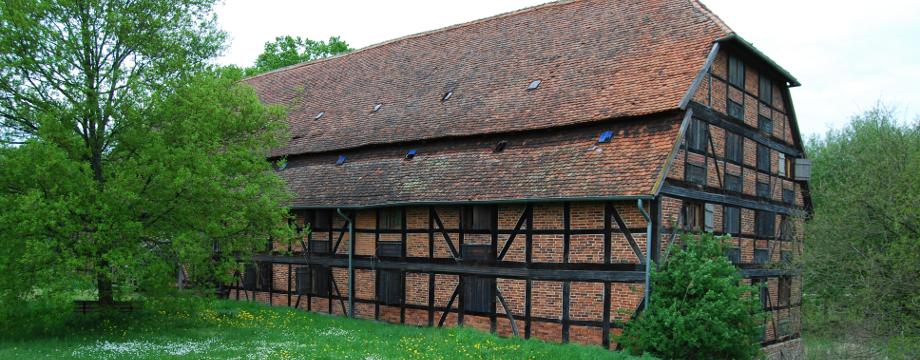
(240, 330)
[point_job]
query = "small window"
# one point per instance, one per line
(696, 174)
(763, 292)
(733, 255)
(500, 146)
(319, 280)
(788, 196)
(761, 256)
(763, 189)
(605, 137)
(784, 291)
(478, 217)
(694, 217)
(319, 246)
(765, 124)
(786, 229)
(734, 147)
(411, 154)
(765, 223)
(258, 276)
(731, 220)
(732, 182)
(377, 108)
(320, 115)
(319, 219)
(478, 291)
(736, 110)
(790, 167)
(389, 282)
(763, 158)
(781, 171)
(785, 256)
(341, 160)
(312, 280)
(735, 71)
(447, 96)
(533, 85)
(391, 218)
(696, 137)
(766, 90)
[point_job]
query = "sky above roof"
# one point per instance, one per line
(848, 55)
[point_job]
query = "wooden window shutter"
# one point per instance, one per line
(802, 169)
(708, 222)
(782, 164)
(389, 282)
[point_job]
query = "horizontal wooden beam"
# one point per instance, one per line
(675, 190)
(504, 271)
(723, 121)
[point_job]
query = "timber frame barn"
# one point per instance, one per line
(521, 173)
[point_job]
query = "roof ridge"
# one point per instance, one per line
(715, 18)
(419, 34)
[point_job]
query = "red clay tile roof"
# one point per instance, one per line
(597, 59)
(539, 165)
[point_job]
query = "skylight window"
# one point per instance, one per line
(533, 85)
(377, 108)
(500, 146)
(605, 137)
(321, 113)
(447, 95)
(410, 154)
(341, 160)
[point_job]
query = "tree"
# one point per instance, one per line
(287, 50)
(863, 243)
(699, 307)
(124, 155)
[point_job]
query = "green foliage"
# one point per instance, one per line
(863, 244)
(190, 328)
(123, 155)
(699, 307)
(289, 50)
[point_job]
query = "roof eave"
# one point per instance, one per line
(478, 202)
(737, 40)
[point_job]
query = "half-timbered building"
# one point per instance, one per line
(521, 173)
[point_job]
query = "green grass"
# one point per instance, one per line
(205, 329)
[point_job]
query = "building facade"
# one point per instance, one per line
(520, 174)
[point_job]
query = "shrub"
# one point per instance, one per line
(699, 307)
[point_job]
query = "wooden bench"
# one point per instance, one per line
(88, 306)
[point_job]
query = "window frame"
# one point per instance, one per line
(730, 109)
(763, 190)
(475, 300)
(694, 216)
(764, 161)
(691, 176)
(391, 218)
(740, 182)
(734, 220)
(765, 125)
(736, 71)
(477, 217)
(765, 96)
(734, 147)
(697, 135)
(764, 228)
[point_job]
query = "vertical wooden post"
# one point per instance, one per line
(430, 274)
(528, 257)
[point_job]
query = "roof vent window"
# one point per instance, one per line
(321, 113)
(533, 85)
(410, 154)
(341, 160)
(377, 108)
(605, 137)
(500, 146)
(447, 95)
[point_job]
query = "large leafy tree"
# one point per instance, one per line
(863, 243)
(289, 50)
(124, 156)
(699, 307)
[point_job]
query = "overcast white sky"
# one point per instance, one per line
(847, 54)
